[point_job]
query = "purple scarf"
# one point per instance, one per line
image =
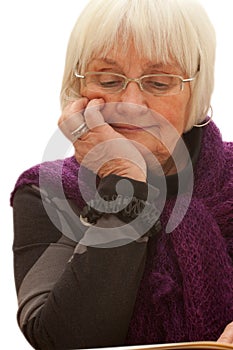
(186, 293)
(187, 289)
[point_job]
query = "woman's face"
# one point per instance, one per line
(138, 106)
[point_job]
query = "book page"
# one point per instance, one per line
(212, 345)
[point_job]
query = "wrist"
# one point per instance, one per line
(122, 168)
(131, 201)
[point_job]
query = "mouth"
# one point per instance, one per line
(130, 128)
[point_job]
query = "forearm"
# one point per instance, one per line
(69, 299)
(92, 302)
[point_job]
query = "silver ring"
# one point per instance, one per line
(77, 133)
(84, 221)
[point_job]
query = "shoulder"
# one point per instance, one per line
(56, 177)
(213, 170)
(228, 150)
(214, 174)
(214, 151)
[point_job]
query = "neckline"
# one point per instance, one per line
(192, 140)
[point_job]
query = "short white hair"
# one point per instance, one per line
(161, 30)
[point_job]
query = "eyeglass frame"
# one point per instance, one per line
(138, 80)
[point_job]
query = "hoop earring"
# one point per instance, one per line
(208, 121)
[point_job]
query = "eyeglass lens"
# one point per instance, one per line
(154, 84)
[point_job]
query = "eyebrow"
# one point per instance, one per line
(148, 65)
(107, 60)
(156, 65)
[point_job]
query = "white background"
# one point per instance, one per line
(33, 39)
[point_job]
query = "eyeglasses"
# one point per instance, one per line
(155, 84)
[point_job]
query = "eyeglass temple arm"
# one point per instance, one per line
(78, 75)
(189, 79)
(194, 77)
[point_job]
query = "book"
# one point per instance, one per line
(211, 345)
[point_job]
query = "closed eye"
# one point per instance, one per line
(110, 83)
(157, 85)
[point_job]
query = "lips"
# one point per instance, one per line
(128, 127)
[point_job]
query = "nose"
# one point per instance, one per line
(132, 100)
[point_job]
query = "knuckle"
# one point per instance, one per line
(229, 326)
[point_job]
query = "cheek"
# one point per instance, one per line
(175, 109)
(93, 95)
(85, 93)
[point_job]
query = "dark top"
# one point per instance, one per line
(72, 296)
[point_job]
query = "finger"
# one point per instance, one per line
(93, 116)
(79, 105)
(72, 108)
(227, 335)
(72, 119)
(73, 126)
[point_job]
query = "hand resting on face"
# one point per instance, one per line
(101, 149)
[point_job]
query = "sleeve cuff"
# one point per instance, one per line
(128, 199)
(113, 185)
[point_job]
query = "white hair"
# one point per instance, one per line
(161, 30)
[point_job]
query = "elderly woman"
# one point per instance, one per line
(129, 241)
